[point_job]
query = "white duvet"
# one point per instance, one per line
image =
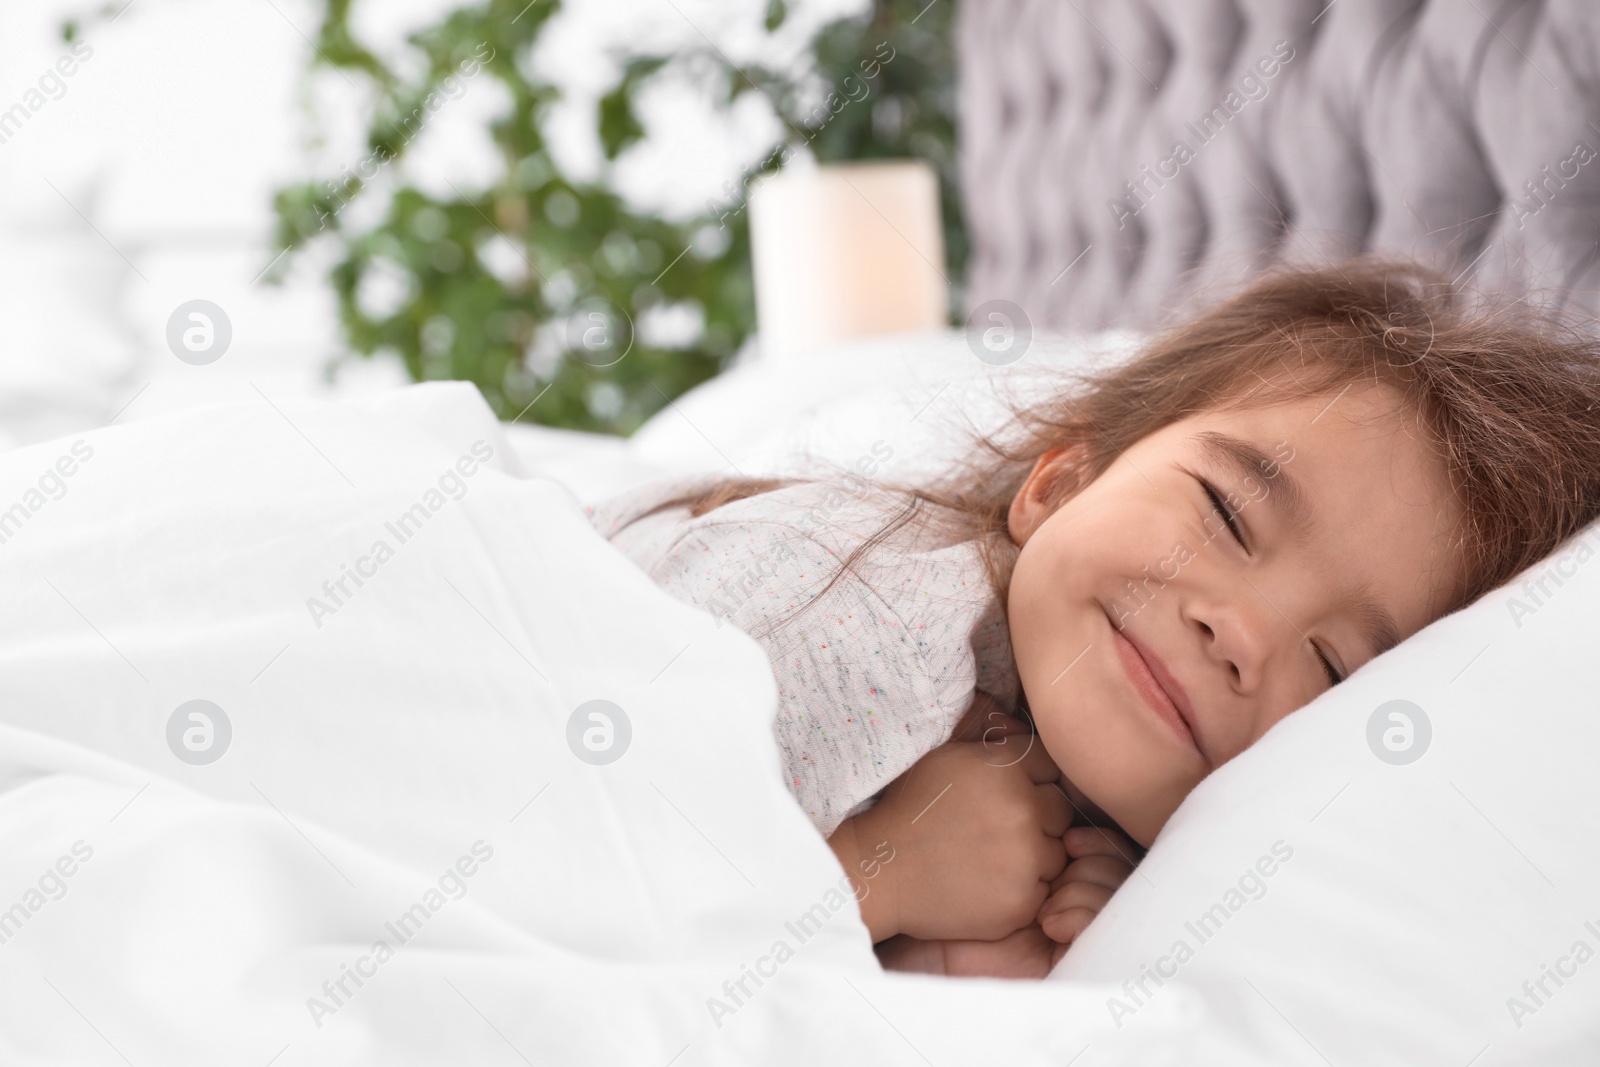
(398, 801)
(413, 848)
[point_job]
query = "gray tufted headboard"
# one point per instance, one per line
(1108, 170)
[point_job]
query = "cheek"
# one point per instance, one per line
(1066, 578)
(1046, 590)
(1103, 743)
(1056, 619)
(1094, 545)
(1077, 566)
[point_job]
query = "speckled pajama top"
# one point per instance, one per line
(879, 666)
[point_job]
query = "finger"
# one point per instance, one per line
(1100, 841)
(1038, 764)
(998, 722)
(1021, 906)
(1065, 926)
(997, 727)
(1075, 895)
(970, 727)
(1055, 813)
(986, 718)
(1096, 870)
(1004, 741)
(1050, 862)
(1101, 875)
(1007, 742)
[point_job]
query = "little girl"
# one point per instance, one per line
(982, 678)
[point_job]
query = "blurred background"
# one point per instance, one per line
(548, 199)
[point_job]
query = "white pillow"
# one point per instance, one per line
(1398, 909)
(910, 394)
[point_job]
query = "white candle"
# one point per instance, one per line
(846, 250)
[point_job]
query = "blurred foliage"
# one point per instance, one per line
(533, 287)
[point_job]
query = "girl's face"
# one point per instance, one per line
(1155, 643)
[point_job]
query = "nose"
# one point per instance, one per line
(1234, 633)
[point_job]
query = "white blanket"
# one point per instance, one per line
(399, 856)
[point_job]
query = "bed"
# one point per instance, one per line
(331, 733)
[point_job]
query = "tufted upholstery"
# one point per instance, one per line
(1409, 126)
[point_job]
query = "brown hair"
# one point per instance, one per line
(1507, 393)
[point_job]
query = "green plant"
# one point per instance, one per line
(544, 341)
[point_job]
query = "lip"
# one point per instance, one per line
(1157, 686)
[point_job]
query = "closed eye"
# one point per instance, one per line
(1333, 672)
(1221, 508)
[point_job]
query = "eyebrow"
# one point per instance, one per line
(1377, 625)
(1249, 462)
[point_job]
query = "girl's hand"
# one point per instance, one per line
(1101, 861)
(974, 830)
(987, 721)
(1025, 953)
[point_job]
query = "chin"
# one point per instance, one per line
(1142, 831)
(1143, 820)
(1081, 750)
